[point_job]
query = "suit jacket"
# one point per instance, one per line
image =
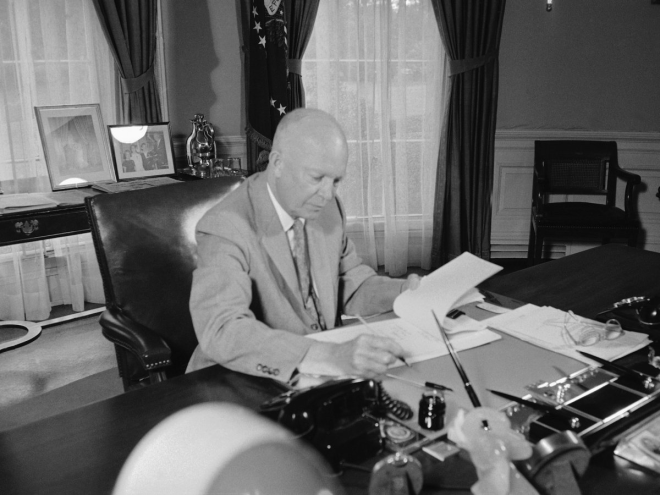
(160, 155)
(245, 302)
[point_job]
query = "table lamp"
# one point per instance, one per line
(223, 448)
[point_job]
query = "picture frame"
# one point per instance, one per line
(75, 145)
(141, 150)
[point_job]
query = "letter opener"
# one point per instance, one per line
(431, 385)
(617, 368)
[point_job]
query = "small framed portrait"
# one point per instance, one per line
(143, 150)
(75, 145)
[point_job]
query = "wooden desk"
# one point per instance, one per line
(68, 218)
(586, 282)
(82, 451)
(45, 223)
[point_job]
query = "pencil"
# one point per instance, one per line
(373, 330)
(435, 386)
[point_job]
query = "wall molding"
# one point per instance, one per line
(639, 152)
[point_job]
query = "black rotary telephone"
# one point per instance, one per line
(340, 418)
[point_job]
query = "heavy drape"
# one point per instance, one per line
(35, 276)
(471, 32)
(130, 27)
(302, 14)
(276, 33)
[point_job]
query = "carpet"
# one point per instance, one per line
(72, 359)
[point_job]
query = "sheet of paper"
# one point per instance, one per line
(133, 185)
(546, 327)
(418, 345)
(10, 202)
(442, 289)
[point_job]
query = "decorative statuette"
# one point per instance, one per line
(201, 149)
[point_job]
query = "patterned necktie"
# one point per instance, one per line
(301, 258)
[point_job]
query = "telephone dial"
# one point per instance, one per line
(340, 418)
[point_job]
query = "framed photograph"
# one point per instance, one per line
(75, 145)
(141, 150)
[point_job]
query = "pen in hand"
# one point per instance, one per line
(373, 330)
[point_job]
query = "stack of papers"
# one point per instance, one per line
(546, 327)
(418, 344)
(416, 330)
(133, 185)
(25, 201)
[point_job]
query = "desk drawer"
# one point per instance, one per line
(29, 227)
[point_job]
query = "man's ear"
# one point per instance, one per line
(275, 162)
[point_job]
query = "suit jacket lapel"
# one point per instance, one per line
(321, 271)
(274, 240)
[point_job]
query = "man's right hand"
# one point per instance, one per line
(366, 356)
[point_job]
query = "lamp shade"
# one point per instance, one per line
(223, 448)
(129, 133)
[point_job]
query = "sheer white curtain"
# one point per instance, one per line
(379, 68)
(53, 53)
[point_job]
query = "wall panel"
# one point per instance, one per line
(512, 187)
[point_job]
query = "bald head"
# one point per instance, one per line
(307, 162)
(307, 128)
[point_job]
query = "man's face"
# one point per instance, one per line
(307, 179)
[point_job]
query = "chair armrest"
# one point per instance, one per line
(538, 189)
(632, 180)
(149, 348)
(629, 177)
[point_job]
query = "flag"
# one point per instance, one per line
(268, 99)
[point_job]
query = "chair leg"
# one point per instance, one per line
(632, 239)
(538, 248)
(530, 245)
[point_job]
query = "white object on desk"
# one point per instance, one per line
(25, 201)
(492, 308)
(543, 326)
(449, 286)
(215, 448)
(418, 344)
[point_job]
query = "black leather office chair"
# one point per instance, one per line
(580, 168)
(145, 244)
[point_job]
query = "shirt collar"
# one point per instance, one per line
(285, 219)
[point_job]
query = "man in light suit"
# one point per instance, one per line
(247, 306)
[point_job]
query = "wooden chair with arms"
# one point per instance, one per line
(145, 245)
(582, 168)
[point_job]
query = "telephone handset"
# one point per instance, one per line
(338, 417)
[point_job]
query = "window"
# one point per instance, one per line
(378, 67)
(53, 53)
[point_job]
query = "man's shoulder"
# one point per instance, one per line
(237, 208)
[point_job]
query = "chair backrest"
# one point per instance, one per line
(577, 167)
(146, 249)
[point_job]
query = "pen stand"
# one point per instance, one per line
(596, 405)
(487, 436)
